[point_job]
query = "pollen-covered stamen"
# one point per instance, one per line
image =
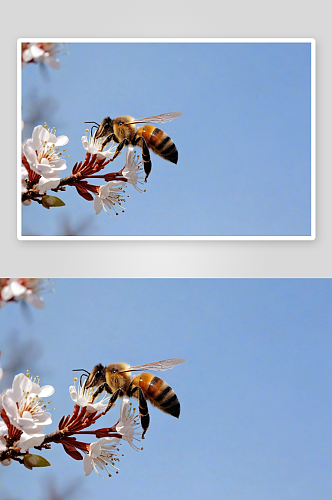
(31, 403)
(105, 463)
(49, 151)
(115, 200)
(132, 416)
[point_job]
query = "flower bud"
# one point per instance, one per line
(52, 201)
(31, 461)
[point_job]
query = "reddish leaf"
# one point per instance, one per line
(84, 193)
(72, 452)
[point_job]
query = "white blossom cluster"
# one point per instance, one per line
(41, 153)
(24, 407)
(103, 452)
(24, 418)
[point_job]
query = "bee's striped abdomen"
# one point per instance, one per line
(159, 142)
(159, 393)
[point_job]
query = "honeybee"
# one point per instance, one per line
(122, 131)
(116, 379)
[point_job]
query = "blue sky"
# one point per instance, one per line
(244, 139)
(255, 391)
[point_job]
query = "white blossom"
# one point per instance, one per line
(42, 154)
(82, 397)
(128, 423)
(24, 407)
(101, 454)
(41, 52)
(30, 440)
(133, 168)
(93, 146)
(22, 289)
(110, 195)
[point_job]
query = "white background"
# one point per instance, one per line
(167, 258)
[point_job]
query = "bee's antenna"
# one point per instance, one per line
(83, 375)
(93, 126)
(86, 374)
(94, 123)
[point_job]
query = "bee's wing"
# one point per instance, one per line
(166, 364)
(166, 117)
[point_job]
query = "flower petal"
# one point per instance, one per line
(42, 418)
(87, 465)
(46, 391)
(20, 382)
(79, 400)
(97, 205)
(9, 406)
(39, 135)
(59, 164)
(30, 153)
(62, 140)
(17, 288)
(30, 440)
(92, 408)
(45, 184)
(35, 51)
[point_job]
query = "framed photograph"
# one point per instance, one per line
(240, 410)
(166, 139)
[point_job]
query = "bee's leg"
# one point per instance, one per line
(140, 141)
(100, 389)
(108, 139)
(143, 408)
(118, 393)
(120, 147)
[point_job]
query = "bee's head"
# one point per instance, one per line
(105, 128)
(96, 377)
